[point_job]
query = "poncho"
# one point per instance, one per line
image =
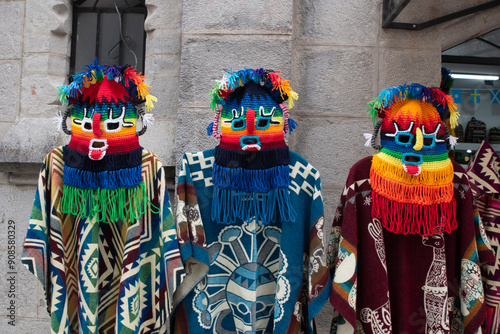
(385, 282)
(483, 173)
(248, 276)
(105, 277)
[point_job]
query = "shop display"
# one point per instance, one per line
(101, 238)
(484, 177)
(405, 247)
(250, 218)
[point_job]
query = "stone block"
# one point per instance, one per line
(398, 66)
(163, 77)
(56, 65)
(47, 27)
(163, 42)
(349, 22)
(38, 41)
(15, 211)
(334, 79)
(205, 58)
(39, 95)
(331, 144)
(29, 140)
(55, 17)
(258, 15)
(11, 26)
(163, 14)
(160, 139)
(25, 325)
(18, 288)
(10, 89)
(192, 131)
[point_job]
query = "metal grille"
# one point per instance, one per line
(113, 35)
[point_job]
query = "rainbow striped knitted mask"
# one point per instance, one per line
(251, 170)
(412, 175)
(102, 162)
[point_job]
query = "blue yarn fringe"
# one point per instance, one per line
(291, 124)
(126, 178)
(251, 180)
(265, 207)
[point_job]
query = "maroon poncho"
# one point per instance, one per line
(392, 283)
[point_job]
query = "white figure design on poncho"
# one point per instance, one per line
(379, 319)
(244, 287)
(436, 288)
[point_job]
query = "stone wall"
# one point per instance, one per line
(335, 53)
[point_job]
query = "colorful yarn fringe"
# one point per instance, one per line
(414, 91)
(410, 218)
(127, 76)
(107, 205)
(420, 194)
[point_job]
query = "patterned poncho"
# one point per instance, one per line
(385, 282)
(103, 277)
(484, 177)
(248, 277)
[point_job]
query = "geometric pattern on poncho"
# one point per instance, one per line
(103, 277)
(484, 171)
(484, 178)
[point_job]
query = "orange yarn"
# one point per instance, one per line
(410, 193)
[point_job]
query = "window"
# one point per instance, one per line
(115, 37)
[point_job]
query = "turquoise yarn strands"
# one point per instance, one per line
(230, 205)
(247, 193)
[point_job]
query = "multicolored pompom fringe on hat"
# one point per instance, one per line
(251, 172)
(412, 175)
(102, 162)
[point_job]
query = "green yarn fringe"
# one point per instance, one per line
(107, 205)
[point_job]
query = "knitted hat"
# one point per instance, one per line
(251, 170)
(412, 176)
(102, 162)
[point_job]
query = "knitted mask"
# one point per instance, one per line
(251, 172)
(412, 176)
(102, 162)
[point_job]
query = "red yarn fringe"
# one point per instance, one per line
(408, 218)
